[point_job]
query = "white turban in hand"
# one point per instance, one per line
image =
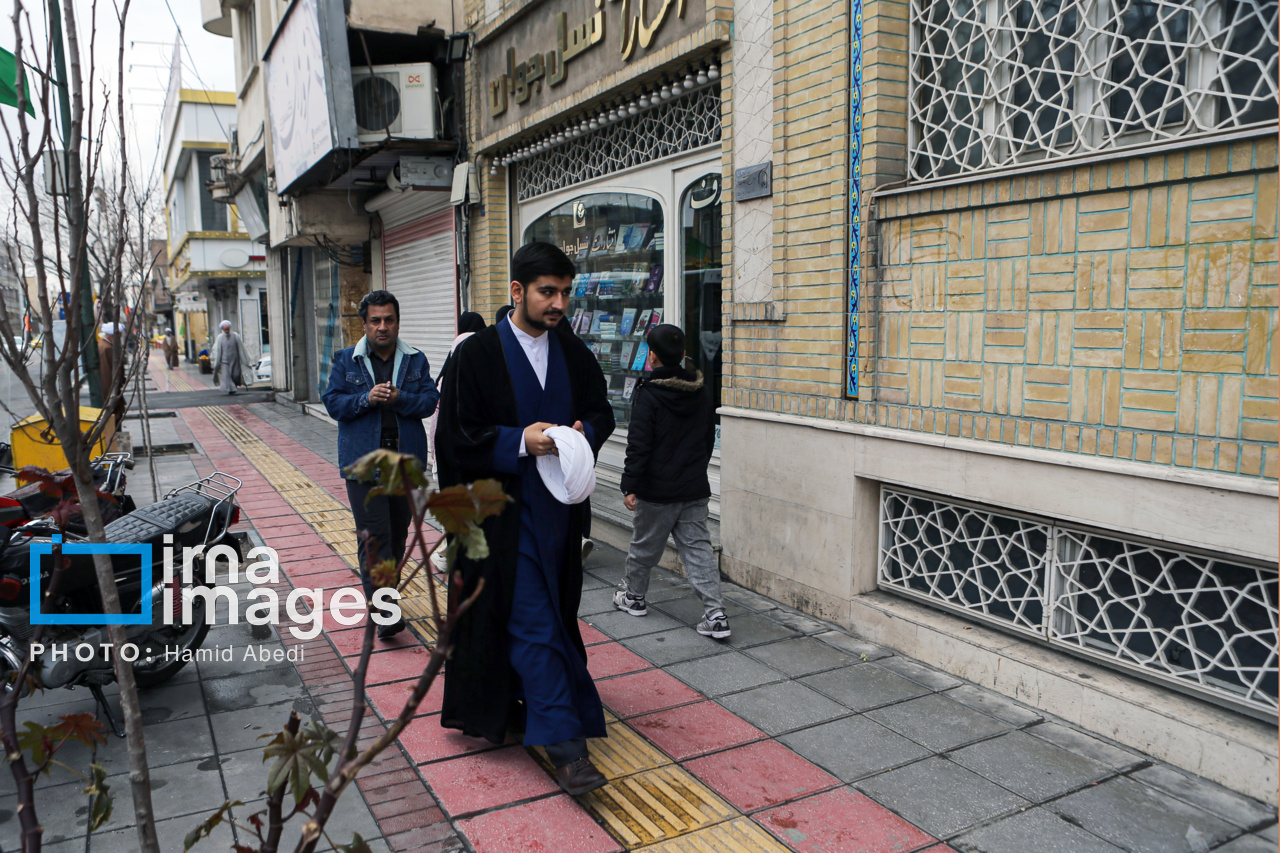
(571, 476)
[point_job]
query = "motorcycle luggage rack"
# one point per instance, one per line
(219, 486)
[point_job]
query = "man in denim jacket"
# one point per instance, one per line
(379, 392)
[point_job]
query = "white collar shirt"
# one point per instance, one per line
(536, 350)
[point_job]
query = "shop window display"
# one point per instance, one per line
(616, 242)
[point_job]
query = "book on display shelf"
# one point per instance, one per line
(580, 284)
(577, 319)
(628, 321)
(654, 284)
(628, 352)
(596, 321)
(609, 327)
(655, 320)
(641, 357)
(594, 346)
(642, 322)
(629, 388)
(587, 319)
(635, 239)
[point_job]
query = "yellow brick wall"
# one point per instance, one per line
(1124, 311)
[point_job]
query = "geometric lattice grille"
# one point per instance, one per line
(1000, 82)
(974, 560)
(681, 124)
(1205, 624)
(1193, 618)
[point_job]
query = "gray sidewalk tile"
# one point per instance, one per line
(61, 810)
(350, 815)
(174, 742)
(169, 832)
(194, 787)
(1030, 767)
(1036, 829)
(725, 673)
(783, 707)
(237, 730)
(688, 608)
(621, 625)
(801, 656)
(1141, 819)
(861, 688)
(668, 647)
(991, 702)
(253, 689)
(591, 582)
(918, 672)
(1215, 799)
(862, 650)
(747, 598)
(940, 797)
(854, 747)
(1248, 844)
(1271, 833)
(800, 622)
(937, 722)
(754, 629)
(169, 702)
(1087, 745)
(244, 774)
(596, 601)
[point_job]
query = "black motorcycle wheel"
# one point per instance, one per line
(179, 639)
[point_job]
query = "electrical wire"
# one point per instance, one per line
(194, 70)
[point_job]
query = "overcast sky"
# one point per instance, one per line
(207, 61)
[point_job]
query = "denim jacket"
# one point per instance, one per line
(359, 423)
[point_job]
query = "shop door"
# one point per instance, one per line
(419, 264)
(700, 239)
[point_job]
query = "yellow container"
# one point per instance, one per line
(31, 448)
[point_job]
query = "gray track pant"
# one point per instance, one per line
(687, 523)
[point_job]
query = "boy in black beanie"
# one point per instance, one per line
(669, 443)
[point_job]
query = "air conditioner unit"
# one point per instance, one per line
(396, 98)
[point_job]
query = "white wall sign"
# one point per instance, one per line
(306, 65)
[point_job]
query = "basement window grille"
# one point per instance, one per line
(1206, 624)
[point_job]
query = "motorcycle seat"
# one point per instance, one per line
(186, 516)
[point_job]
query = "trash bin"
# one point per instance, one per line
(30, 447)
(206, 366)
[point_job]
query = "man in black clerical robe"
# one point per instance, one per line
(519, 664)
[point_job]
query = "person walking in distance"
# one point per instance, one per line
(170, 347)
(519, 664)
(379, 391)
(664, 480)
(229, 359)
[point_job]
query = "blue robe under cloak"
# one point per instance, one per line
(561, 701)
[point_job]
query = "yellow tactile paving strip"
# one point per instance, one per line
(322, 512)
(650, 804)
(179, 382)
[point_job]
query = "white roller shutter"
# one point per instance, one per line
(420, 270)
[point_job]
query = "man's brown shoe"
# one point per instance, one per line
(579, 777)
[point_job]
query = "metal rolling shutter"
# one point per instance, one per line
(420, 271)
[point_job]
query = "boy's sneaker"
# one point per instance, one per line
(715, 626)
(628, 603)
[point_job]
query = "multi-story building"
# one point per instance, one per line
(342, 164)
(989, 290)
(213, 267)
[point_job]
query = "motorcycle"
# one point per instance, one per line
(29, 502)
(199, 514)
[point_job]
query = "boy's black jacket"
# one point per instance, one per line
(670, 438)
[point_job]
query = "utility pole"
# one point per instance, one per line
(88, 340)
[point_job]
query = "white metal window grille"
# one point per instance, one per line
(683, 124)
(1000, 82)
(1205, 624)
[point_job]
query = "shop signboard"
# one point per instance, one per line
(307, 70)
(557, 48)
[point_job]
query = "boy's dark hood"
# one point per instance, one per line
(677, 389)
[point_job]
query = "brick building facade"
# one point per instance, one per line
(999, 349)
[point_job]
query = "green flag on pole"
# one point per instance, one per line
(9, 82)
